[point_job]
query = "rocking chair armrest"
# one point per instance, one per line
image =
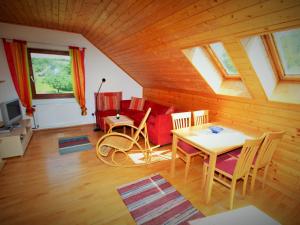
(117, 125)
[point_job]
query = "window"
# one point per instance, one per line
(283, 49)
(222, 60)
(50, 73)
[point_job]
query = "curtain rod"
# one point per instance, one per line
(42, 43)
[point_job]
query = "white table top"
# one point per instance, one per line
(121, 120)
(249, 215)
(202, 137)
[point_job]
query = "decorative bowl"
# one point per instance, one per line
(215, 129)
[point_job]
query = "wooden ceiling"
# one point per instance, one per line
(145, 37)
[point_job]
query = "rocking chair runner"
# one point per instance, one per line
(112, 143)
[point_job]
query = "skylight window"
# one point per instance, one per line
(284, 50)
(222, 59)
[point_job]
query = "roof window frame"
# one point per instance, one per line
(218, 65)
(274, 58)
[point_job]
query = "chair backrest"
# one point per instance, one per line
(267, 149)
(200, 117)
(142, 125)
(247, 155)
(181, 120)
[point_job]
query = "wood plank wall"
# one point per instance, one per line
(284, 174)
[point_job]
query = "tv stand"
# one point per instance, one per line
(15, 142)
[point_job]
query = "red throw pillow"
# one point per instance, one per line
(110, 103)
(137, 104)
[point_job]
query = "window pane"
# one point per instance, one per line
(224, 58)
(52, 73)
(288, 46)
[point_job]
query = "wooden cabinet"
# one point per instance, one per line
(14, 143)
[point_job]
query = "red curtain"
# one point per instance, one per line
(16, 55)
(78, 76)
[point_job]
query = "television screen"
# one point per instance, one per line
(13, 109)
(11, 112)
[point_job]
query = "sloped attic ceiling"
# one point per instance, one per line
(146, 37)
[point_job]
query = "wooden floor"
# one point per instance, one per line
(45, 188)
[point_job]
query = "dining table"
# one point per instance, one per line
(205, 138)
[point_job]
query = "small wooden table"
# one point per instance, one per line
(202, 138)
(122, 121)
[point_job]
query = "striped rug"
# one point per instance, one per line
(153, 200)
(73, 144)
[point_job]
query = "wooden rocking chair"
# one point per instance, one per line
(114, 148)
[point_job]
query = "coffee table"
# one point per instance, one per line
(122, 121)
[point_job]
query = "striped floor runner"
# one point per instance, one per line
(73, 144)
(153, 200)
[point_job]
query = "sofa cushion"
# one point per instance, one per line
(137, 103)
(110, 103)
(108, 113)
(156, 109)
(135, 115)
(100, 96)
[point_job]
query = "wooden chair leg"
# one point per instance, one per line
(187, 168)
(233, 184)
(205, 168)
(245, 184)
(254, 173)
(265, 175)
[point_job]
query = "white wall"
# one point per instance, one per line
(66, 112)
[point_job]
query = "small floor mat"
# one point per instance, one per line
(73, 144)
(153, 200)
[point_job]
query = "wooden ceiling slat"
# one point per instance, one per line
(94, 21)
(134, 9)
(180, 19)
(208, 33)
(196, 24)
(62, 8)
(153, 13)
(111, 19)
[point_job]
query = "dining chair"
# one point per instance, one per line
(200, 117)
(183, 120)
(264, 156)
(234, 168)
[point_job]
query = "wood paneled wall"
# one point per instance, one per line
(285, 170)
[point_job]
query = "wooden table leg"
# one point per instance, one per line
(210, 178)
(174, 148)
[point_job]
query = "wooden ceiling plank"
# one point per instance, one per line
(55, 13)
(152, 13)
(182, 19)
(48, 10)
(75, 14)
(113, 17)
(62, 13)
(132, 11)
(210, 34)
(92, 20)
(200, 22)
(18, 11)
(88, 8)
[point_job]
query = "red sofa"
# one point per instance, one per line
(159, 124)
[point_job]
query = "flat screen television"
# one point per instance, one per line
(11, 112)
